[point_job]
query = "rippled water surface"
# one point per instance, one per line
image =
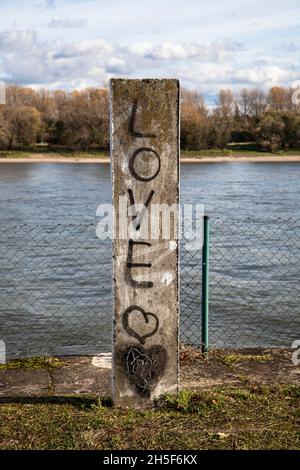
(55, 275)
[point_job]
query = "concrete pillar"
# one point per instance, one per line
(145, 173)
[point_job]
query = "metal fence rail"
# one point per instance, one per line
(56, 299)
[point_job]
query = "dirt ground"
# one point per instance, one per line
(91, 376)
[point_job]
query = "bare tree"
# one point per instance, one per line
(258, 102)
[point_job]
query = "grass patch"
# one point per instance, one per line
(48, 363)
(221, 418)
(53, 152)
(207, 153)
(238, 358)
(13, 154)
(247, 149)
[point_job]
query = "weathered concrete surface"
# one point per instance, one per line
(27, 383)
(253, 367)
(145, 172)
(79, 376)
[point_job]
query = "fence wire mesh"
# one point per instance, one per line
(56, 290)
(255, 289)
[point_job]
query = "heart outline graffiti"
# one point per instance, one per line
(146, 315)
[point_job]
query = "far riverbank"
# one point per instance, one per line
(93, 158)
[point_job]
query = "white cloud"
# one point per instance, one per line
(170, 51)
(210, 78)
(72, 43)
(220, 50)
(140, 49)
(28, 60)
(267, 75)
(97, 47)
(17, 41)
(68, 23)
(206, 65)
(116, 65)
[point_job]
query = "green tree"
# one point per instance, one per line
(269, 132)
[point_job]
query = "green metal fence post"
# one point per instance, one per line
(205, 284)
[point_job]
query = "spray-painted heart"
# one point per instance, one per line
(147, 316)
(144, 367)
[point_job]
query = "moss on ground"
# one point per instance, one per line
(48, 363)
(238, 358)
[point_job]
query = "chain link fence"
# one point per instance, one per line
(254, 285)
(56, 290)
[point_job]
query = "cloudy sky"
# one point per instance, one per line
(208, 44)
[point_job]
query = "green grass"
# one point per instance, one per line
(238, 358)
(237, 152)
(55, 152)
(223, 418)
(206, 153)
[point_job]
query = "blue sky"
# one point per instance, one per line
(207, 44)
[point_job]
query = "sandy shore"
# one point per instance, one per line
(262, 159)
(40, 158)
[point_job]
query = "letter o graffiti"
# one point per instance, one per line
(132, 160)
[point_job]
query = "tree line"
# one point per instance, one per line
(80, 119)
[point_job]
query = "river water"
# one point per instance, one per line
(55, 275)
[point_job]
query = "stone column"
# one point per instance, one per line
(145, 174)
